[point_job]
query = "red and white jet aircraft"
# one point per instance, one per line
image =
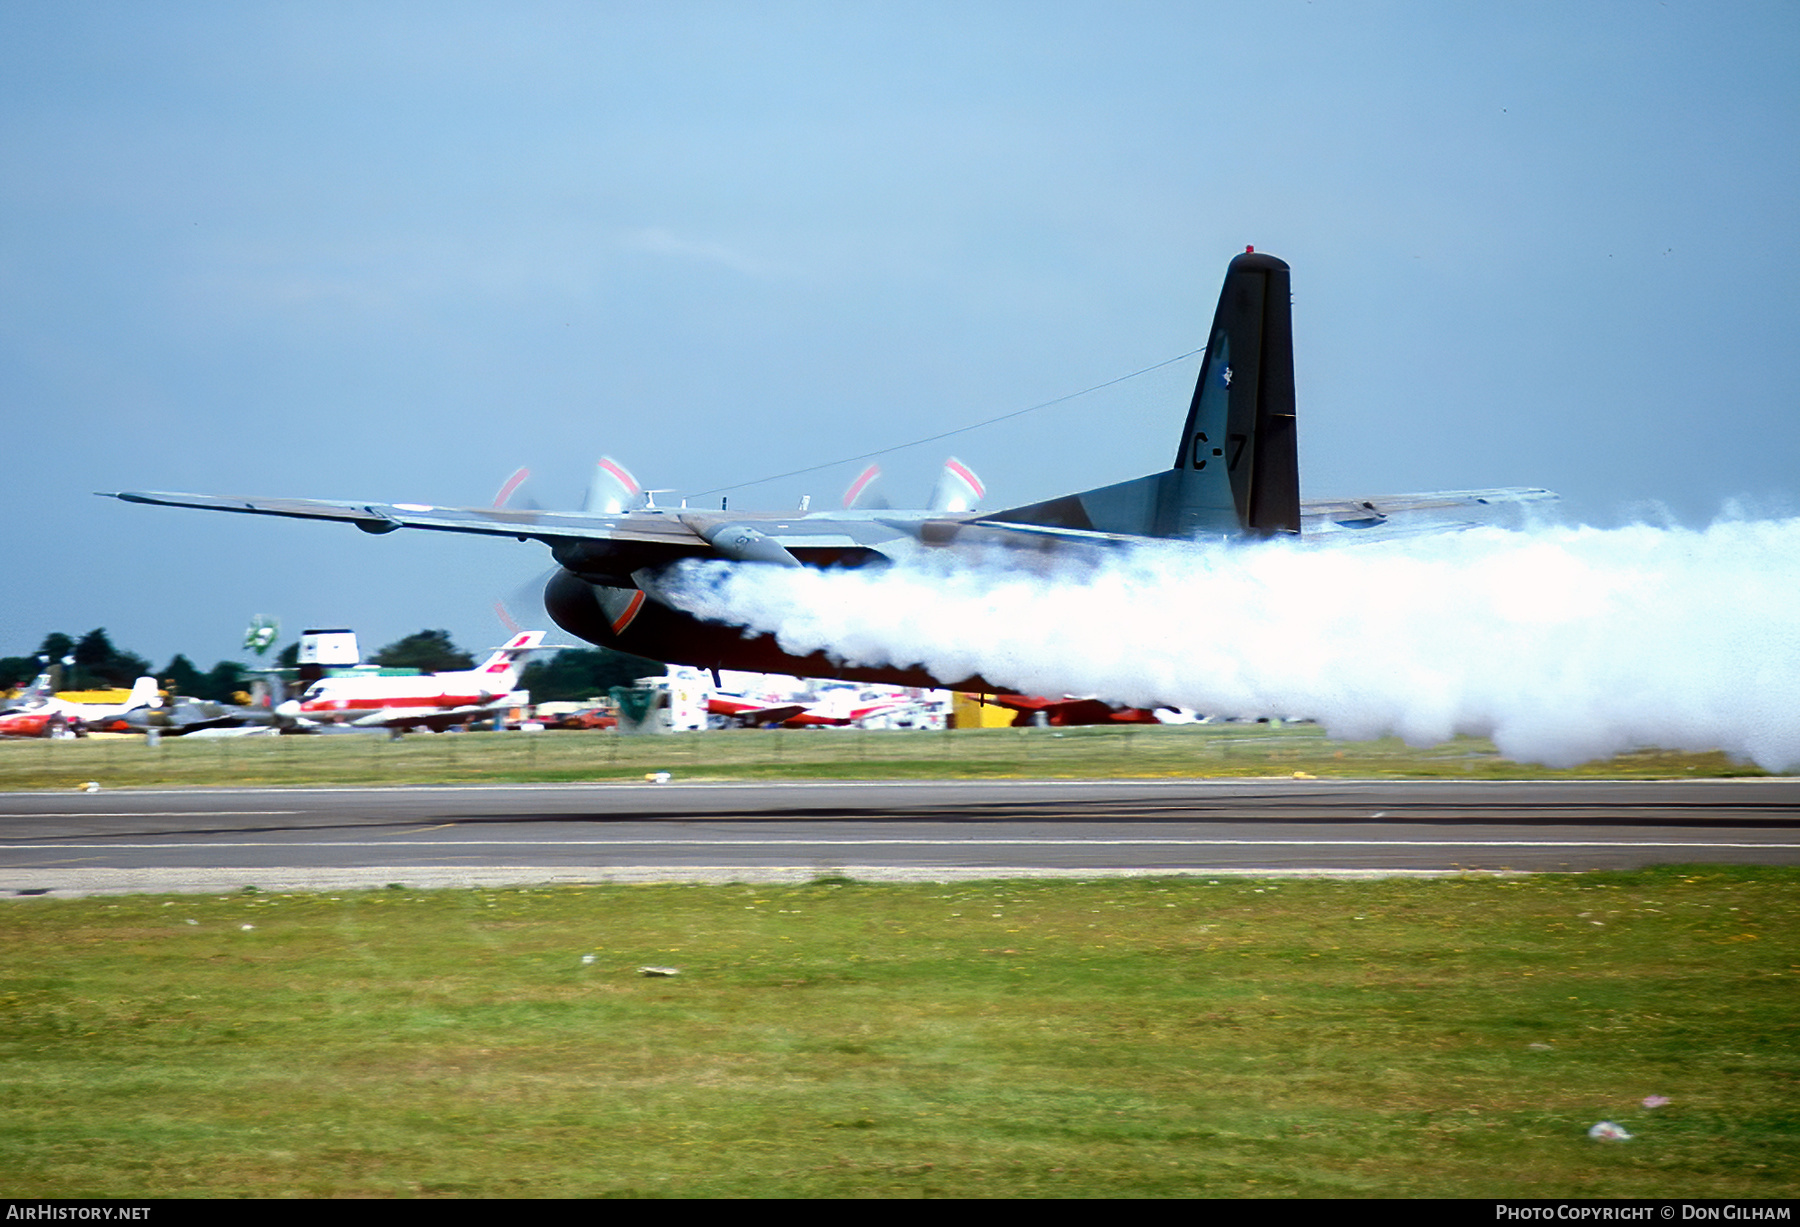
(40, 713)
(752, 711)
(432, 700)
(843, 708)
(839, 707)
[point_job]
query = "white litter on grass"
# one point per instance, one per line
(1606, 1131)
(658, 777)
(91, 786)
(1656, 1101)
(659, 971)
(246, 928)
(588, 960)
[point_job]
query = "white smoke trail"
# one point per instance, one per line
(1562, 644)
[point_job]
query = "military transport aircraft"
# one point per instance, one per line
(1235, 475)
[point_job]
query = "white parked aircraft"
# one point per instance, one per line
(431, 700)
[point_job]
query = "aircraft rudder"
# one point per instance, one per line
(1236, 467)
(511, 656)
(512, 653)
(1237, 458)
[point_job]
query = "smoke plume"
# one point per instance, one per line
(1561, 644)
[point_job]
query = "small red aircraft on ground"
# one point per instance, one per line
(34, 724)
(40, 713)
(1068, 711)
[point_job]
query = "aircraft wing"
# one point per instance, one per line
(697, 532)
(650, 527)
(1392, 515)
(774, 714)
(1062, 532)
(432, 717)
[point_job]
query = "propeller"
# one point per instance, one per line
(509, 490)
(957, 490)
(527, 600)
(612, 490)
(862, 494)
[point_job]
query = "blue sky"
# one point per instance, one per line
(393, 251)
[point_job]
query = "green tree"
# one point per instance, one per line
(98, 662)
(224, 683)
(583, 673)
(429, 651)
(182, 676)
(128, 667)
(16, 671)
(94, 651)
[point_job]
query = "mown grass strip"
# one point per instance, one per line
(1144, 1037)
(1205, 751)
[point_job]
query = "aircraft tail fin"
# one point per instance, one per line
(43, 688)
(1236, 470)
(1242, 414)
(502, 669)
(143, 693)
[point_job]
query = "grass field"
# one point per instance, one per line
(1078, 753)
(1450, 1037)
(1132, 1037)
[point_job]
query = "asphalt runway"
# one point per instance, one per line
(283, 839)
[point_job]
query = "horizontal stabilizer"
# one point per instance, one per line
(1391, 515)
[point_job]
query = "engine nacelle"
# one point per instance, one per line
(631, 620)
(612, 562)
